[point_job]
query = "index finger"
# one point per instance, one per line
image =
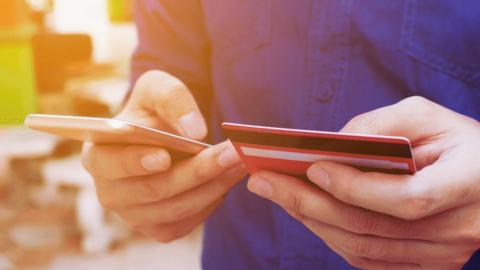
(300, 198)
(411, 197)
(160, 99)
(111, 162)
(183, 176)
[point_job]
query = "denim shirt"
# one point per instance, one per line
(310, 64)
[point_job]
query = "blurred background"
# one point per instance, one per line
(66, 57)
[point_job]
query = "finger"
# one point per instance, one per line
(171, 231)
(183, 176)
(183, 205)
(299, 197)
(168, 99)
(445, 227)
(384, 249)
(295, 195)
(425, 123)
(413, 118)
(425, 153)
(114, 162)
(360, 262)
(411, 197)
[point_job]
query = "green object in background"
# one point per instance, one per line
(120, 11)
(17, 79)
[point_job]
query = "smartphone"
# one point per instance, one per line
(110, 131)
(293, 151)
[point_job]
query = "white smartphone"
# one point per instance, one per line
(110, 131)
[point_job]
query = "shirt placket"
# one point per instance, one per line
(327, 59)
(327, 64)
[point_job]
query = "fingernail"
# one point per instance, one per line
(260, 186)
(193, 125)
(228, 157)
(154, 162)
(318, 176)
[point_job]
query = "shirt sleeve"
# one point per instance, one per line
(172, 38)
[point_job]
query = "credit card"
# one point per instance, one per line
(293, 151)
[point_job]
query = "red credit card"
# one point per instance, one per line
(292, 151)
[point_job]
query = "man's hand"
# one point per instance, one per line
(140, 183)
(430, 220)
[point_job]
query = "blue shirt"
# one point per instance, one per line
(310, 64)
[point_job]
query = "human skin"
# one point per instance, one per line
(153, 194)
(429, 220)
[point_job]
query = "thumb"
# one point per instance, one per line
(161, 100)
(414, 118)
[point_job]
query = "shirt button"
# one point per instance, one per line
(324, 93)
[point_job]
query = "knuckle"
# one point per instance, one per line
(168, 95)
(416, 208)
(150, 77)
(222, 185)
(149, 74)
(361, 222)
(364, 248)
(202, 172)
(171, 91)
(365, 122)
(162, 84)
(416, 100)
(423, 106)
(407, 228)
(353, 245)
(150, 192)
(146, 81)
(416, 204)
(345, 192)
(124, 159)
(296, 203)
(177, 212)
